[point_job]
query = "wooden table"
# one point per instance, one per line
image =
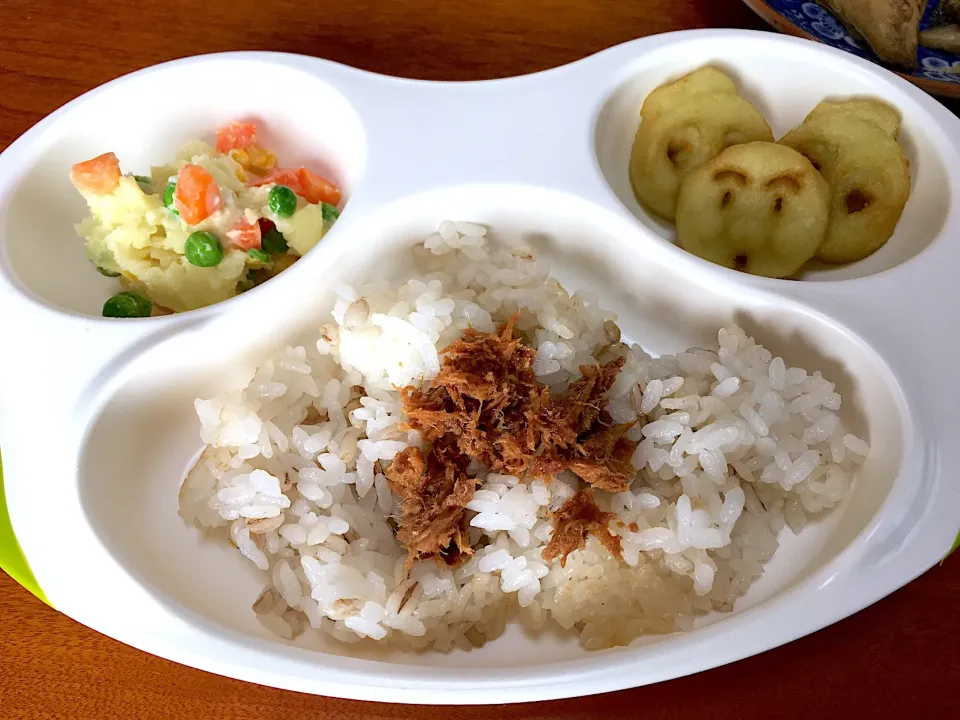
(896, 658)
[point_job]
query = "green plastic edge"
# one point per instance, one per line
(12, 560)
(956, 544)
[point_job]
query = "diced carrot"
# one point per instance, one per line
(280, 176)
(197, 196)
(245, 235)
(236, 136)
(316, 189)
(100, 176)
(303, 182)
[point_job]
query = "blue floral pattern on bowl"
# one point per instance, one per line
(814, 20)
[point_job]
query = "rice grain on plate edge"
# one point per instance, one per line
(732, 444)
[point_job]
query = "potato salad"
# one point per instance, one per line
(216, 221)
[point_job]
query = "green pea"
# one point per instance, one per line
(282, 200)
(258, 255)
(127, 305)
(273, 242)
(168, 192)
(330, 212)
(203, 249)
(107, 273)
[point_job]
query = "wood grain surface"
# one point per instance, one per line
(894, 659)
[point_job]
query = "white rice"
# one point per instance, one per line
(733, 445)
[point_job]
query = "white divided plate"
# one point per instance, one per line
(98, 428)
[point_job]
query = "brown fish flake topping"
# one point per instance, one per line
(487, 405)
(577, 518)
(433, 493)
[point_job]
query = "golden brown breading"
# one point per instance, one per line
(890, 27)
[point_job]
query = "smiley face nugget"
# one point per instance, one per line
(869, 179)
(758, 207)
(683, 125)
(878, 112)
(705, 81)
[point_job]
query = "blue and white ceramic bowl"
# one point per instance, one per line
(937, 72)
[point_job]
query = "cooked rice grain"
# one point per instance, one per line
(733, 444)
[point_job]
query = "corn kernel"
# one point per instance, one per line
(260, 160)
